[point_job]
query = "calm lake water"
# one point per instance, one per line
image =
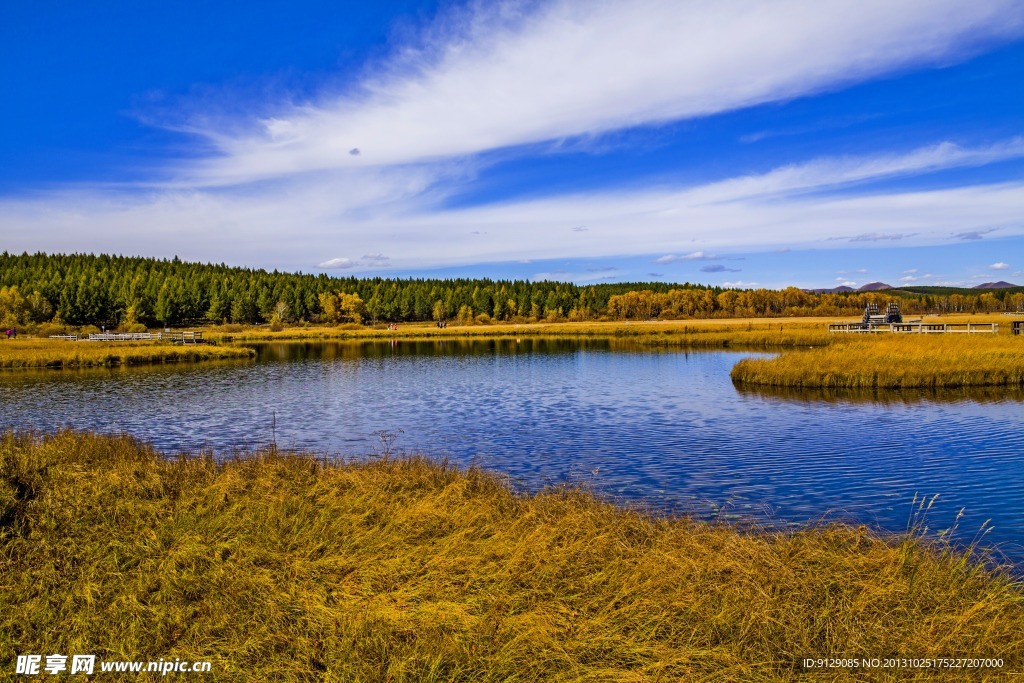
(665, 429)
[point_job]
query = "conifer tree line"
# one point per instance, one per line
(86, 289)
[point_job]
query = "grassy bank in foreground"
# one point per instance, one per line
(894, 361)
(282, 568)
(47, 353)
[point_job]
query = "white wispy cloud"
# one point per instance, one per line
(692, 256)
(831, 172)
(337, 263)
(511, 74)
(916, 278)
(341, 180)
(299, 223)
(1000, 266)
(367, 261)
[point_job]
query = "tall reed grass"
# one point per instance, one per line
(289, 568)
(41, 353)
(694, 333)
(894, 361)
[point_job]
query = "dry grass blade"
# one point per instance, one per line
(46, 353)
(287, 568)
(894, 361)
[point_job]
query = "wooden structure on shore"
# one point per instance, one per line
(183, 337)
(873, 318)
(121, 336)
(1017, 327)
(917, 327)
(892, 321)
(173, 337)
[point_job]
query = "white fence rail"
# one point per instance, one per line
(915, 328)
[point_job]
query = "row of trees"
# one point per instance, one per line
(115, 290)
(707, 303)
(81, 289)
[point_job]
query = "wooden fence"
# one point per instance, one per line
(916, 328)
(173, 337)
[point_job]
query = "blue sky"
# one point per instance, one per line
(729, 143)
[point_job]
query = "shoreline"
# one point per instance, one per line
(810, 357)
(41, 354)
(717, 330)
(885, 363)
(354, 568)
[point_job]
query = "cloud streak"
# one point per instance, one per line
(337, 182)
(333, 218)
(504, 76)
(693, 256)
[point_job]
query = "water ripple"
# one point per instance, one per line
(663, 428)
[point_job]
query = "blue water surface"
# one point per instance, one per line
(662, 429)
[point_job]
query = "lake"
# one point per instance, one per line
(664, 429)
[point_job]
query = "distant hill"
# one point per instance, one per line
(948, 291)
(842, 289)
(1002, 284)
(912, 290)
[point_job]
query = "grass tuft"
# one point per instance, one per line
(893, 361)
(49, 353)
(289, 568)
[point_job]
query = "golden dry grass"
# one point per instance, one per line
(285, 568)
(693, 333)
(58, 353)
(894, 361)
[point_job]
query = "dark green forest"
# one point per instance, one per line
(87, 289)
(81, 289)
